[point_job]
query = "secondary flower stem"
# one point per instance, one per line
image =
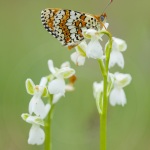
(48, 122)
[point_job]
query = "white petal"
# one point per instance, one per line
(119, 44)
(57, 86)
(97, 92)
(39, 89)
(94, 49)
(106, 26)
(65, 72)
(122, 80)
(116, 57)
(36, 135)
(90, 33)
(78, 59)
(56, 97)
(31, 105)
(97, 89)
(51, 67)
(43, 81)
(30, 119)
(33, 119)
(81, 48)
(37, 107)
(69, 87)
(117, 97)
(65, 64)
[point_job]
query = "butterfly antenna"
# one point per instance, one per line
(107, 5)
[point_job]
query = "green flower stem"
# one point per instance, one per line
(103, 117)
(104, 69)
(48, 123)
(108, 49)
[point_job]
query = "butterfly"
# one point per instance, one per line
(67, 25)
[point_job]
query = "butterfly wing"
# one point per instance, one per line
(67, 25)
(47, 18)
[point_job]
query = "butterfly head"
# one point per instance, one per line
(103, 17)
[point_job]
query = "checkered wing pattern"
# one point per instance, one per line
(67, 25)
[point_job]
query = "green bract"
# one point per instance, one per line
(30, 86)
(32, 119)
(81, 50)
(25, 116)
(39, 121)
(45, 92)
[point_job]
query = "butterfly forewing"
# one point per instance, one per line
(67, 25)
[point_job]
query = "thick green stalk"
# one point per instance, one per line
(103, 116)
(48, 131)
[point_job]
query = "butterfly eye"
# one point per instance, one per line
(102, 18)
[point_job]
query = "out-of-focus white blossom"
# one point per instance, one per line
(36, 133)
(117, 95)
(116, 57)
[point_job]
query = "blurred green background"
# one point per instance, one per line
(25, 47)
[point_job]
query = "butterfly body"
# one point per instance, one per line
(68, 25)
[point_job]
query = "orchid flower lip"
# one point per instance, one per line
(117, 95)
(36, 135)
(116, 57)
(79, 56)
(94, 49)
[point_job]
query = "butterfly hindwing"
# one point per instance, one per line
(67, 25)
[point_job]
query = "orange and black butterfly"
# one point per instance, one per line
(68, 25)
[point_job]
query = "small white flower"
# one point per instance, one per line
(116, 56)
(39, 90)
(94, 48)
(97, 92)
(68, 87)
(117, 95)
(78, 59)
(36, 134)
(57, 85)
(38, 107)
(79, 56)
(36, 104)
(89, 33)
